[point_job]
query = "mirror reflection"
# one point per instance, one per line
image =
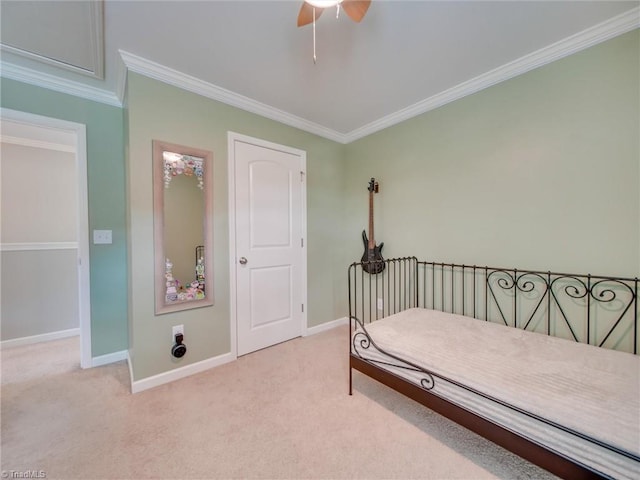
(182, 227)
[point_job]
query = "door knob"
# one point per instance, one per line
(243, 261)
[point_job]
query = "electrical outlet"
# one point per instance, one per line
(380, 304)
(175, 331)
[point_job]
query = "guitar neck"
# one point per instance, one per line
(372, 242)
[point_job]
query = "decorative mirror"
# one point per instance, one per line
(182, 200)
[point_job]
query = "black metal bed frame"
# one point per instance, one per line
(597, 310)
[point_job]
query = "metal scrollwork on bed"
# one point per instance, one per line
(362, 339)
(562, 291)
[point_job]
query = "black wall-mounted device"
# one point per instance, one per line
(179, 349)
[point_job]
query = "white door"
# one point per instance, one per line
(270, 255)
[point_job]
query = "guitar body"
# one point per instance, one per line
(372, 261)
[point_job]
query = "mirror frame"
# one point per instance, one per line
(161, 306)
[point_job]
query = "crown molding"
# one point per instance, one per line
(606, 30)
(58, 84)
(121, 80)
(173, 77)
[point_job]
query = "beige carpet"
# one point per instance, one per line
(283, 412)
(31, 362)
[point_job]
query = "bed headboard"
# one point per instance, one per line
(597, 310)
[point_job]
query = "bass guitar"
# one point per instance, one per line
(372, 261)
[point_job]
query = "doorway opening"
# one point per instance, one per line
(45, 232)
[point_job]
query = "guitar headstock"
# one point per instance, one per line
(373, 185)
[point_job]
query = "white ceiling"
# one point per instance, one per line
(402, 59)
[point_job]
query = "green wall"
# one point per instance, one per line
(540, 172)
(159, 111)
(105, 169)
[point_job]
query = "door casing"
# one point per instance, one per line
(84, 288)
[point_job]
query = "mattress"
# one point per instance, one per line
(580, 401)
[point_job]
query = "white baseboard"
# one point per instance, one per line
(178, 373)
(45, 337)
(109, 358)
(138, 386)
(326, 326)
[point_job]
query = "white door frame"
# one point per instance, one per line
(231, 156)
(84, 288)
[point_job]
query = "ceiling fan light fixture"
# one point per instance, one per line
(312, 9)
(324, 3)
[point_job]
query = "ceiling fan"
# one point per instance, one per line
(312, 9)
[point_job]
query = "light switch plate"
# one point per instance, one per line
(102, 237)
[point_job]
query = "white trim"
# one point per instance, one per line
(231, 201)
(323, 327)
(97, 38)
(130, 365)
(44, 337)
(84, 278)
(29, 142)
(48, 60)
(606, 30)
(84, 272)
(178, 373)
(23, 247)
(58, 84)
(121, 80)
(232, 137)
(192, 84)
(109, 358)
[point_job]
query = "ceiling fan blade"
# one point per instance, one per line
(356, 9)
(305, 17)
